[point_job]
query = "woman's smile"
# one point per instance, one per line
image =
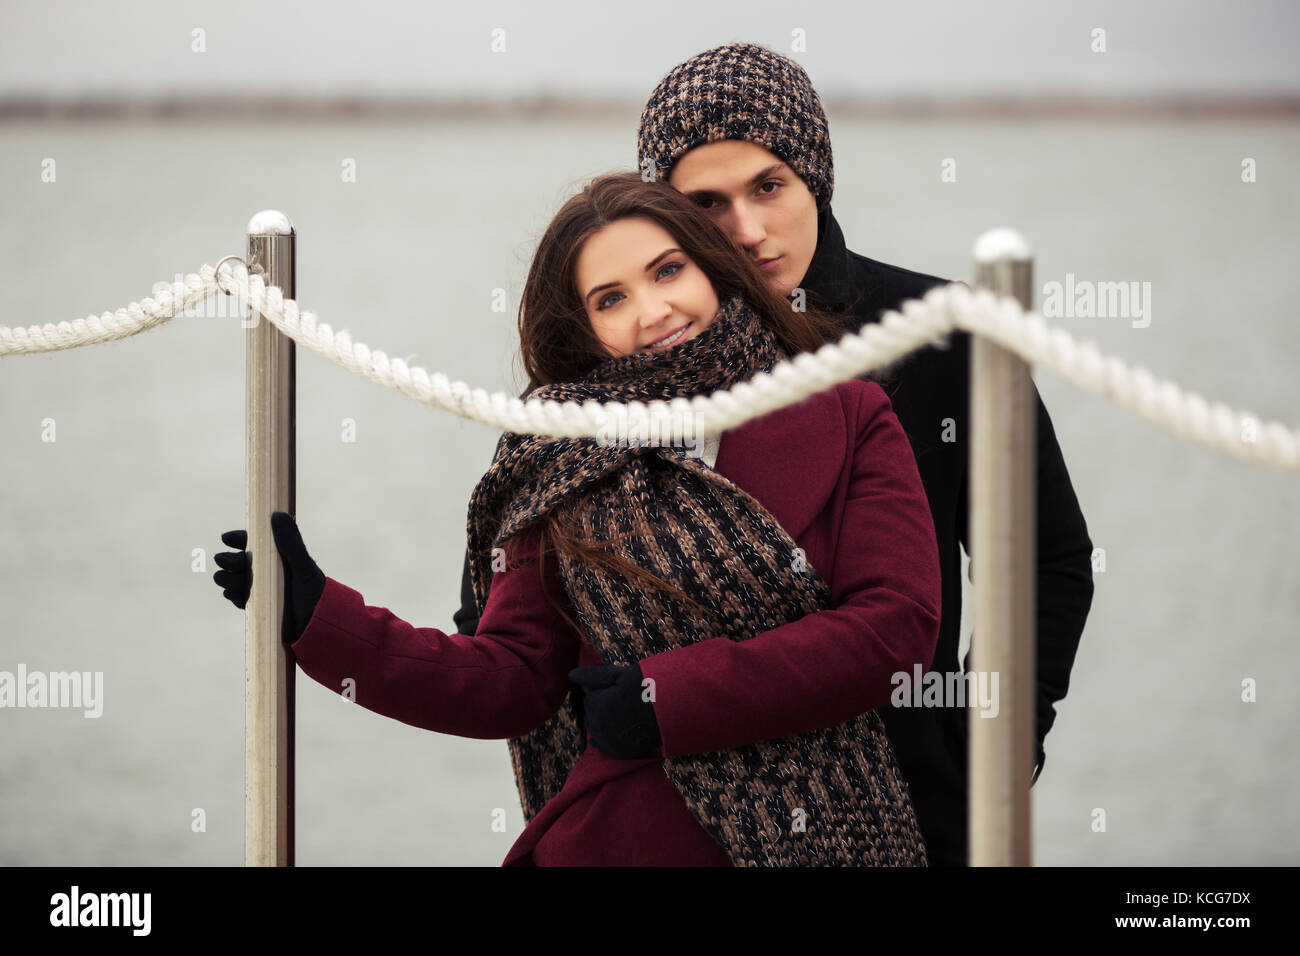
(672, 338)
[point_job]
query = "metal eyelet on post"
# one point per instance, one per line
(217, 271)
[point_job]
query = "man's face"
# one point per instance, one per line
(761, 202)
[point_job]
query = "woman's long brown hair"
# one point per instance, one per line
(558, 344)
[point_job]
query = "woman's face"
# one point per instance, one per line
(640, 290)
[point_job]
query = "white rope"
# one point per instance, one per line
(922, 322)
(93, 329)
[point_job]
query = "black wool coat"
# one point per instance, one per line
(930, 392)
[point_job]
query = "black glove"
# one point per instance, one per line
(237, 578)
(303, 580)
(621, 724)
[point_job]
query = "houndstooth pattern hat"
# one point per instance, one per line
(739, 91)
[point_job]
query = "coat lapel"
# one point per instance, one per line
(789, 459)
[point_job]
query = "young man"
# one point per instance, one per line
(741, 131)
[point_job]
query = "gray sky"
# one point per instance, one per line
(616, 49)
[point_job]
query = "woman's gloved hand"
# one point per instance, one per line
(304, 582)
(621, 724)
(237, 574)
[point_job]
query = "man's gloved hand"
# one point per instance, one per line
(621, 724)
(1043, 706)
(303, 580)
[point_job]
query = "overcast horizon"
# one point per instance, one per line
(928, 49)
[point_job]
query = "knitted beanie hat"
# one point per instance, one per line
(739, 91)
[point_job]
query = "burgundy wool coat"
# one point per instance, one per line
(837, 471)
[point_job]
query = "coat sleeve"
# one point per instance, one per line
(466, 619)
(502, 682)
(1064, 584)
(830, 666)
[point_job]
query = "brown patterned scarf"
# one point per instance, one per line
(843, 783)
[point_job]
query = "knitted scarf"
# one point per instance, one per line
(832, 797)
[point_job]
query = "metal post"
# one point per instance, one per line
(1002, 535)
(269, 486)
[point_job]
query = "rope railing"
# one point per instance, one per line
(920, 322)
(1008, 340)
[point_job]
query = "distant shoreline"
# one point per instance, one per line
(1062, 107)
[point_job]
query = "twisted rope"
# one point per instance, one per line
(135, 318)
(921, 322)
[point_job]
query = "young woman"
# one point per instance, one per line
(734, 620)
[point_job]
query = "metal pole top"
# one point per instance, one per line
(997, 245)
(270, 222)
